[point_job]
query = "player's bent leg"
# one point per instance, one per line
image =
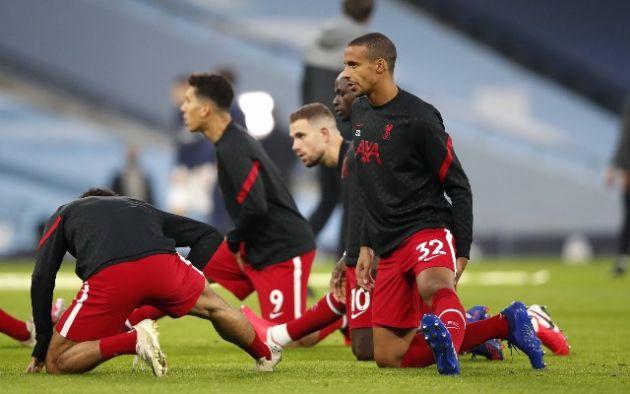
(362, 344)
(234, 327)
(58, 346)
(230, 323)
(390, 345)
(433, 279)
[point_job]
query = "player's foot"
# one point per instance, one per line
(261, 326)
(620, 267)
(439, 339)
(522, 334)
(30, 326)
(148, 347)
(491, 349)
(58, 308)
(267, 365)
(548, 332)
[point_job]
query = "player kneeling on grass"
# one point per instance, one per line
(125, 251)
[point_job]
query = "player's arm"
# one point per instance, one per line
(363, 270)
(202, 238)
(437, 147)
(51, 249)
(338, 280)
(245, 174)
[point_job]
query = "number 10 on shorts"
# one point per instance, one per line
(360, 302)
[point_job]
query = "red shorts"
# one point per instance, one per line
(397, 302)
(281, 287)
(165, 281)
(358, 303)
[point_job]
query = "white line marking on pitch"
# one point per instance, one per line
(69, 281)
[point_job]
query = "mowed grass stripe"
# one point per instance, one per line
(591, 307)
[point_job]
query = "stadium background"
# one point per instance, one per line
(530, 91)
(80, 78)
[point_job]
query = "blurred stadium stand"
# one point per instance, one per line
(535, 152)
(47, 159)
(582, 44)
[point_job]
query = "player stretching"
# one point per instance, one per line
(126, 257)
(317, 141)
(271, 248)
(405, 165)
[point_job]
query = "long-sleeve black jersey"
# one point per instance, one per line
(352, 204)
(406, 165)
(265, 216)
(103, 231)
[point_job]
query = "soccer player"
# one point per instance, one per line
(125, 251)
(317, 141)
(272, 247)
(619, 172)
(405, 165)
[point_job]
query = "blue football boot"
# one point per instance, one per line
(522, 334)
(439, 339)
(491, 349)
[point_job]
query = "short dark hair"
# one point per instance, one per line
(378, 46)
(215, 87)
(95, 191)
(310, 111)
(358, 10)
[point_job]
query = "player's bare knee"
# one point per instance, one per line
(208, 304)
(363, 353)
(386, 361)
(362, 344)
(52, 367)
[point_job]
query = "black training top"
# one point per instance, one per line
(103, 231)
(352, 204)
(406, 169)
(265, 216)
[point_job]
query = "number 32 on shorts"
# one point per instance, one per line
(430, 249)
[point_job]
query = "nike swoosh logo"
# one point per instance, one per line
(355, 315)
(431, 258)
(273, 315)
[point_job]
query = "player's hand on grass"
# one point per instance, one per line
(338, 280)
(35, 365)
(461, 266)
(365, 280)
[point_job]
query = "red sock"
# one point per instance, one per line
(258, 349)
(13, 327)
(144, 312)
(419, 354)
(447, 307)
(324, 313)
(116, 345)
(326, 331)
(483, 330)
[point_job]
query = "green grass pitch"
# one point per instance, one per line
(592, 308)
